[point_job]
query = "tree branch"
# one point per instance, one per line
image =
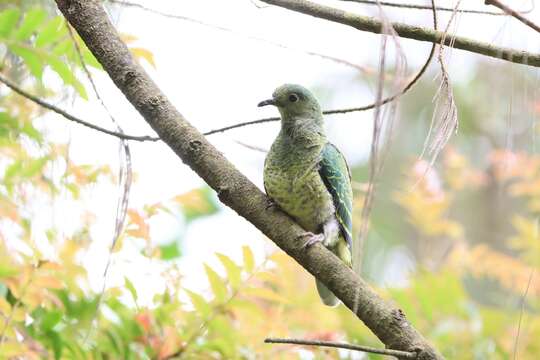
(427, 7)
(365, 23)
(233, 188)
(70, 117)
(339, 345)
(345, 110)
(513, 13)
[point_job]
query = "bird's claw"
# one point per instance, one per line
(312, 238)
(270, 203)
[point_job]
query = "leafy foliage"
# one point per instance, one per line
(43, 42)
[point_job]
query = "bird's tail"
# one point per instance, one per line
(327, 297)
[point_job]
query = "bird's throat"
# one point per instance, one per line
(302, 129)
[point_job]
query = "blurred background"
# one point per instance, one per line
(453, 239)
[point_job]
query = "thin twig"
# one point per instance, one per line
(242, 124)
(125, 173)
(522, 309)
(251, 147)
(427, 7)
(235, 32)
(70, 117)
(513, 13)
(77, 120)
(398, 353)
(444, 121)
(341, 110)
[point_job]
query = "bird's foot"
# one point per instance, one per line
(270, 203)
(312, 238)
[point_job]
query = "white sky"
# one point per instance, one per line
(216, 79)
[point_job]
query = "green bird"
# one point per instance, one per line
(308, 178)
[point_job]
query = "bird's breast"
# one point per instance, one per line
(298, 190)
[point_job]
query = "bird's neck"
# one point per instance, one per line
(302, 130)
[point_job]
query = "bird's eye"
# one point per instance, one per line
(293, 98)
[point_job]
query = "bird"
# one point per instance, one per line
(308, 178)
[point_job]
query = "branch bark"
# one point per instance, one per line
(234, 189)
(365, 23)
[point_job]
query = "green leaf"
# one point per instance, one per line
(64, 47)
(233, 270)
(75, 350)
(216, 283)
(249, 263)
(74, 189)
(131, 288)
(90, 59)
(7, 271)
(199, 303)
(34, 166)
(169, 251)
(55, 341)
(29, 130)
(67, 47)
(8, 21)
(51, 32)
(8, 124)
(225, 340)
(67, 76)
(31, 59)
(13, 170)
(112, 337)
(32, 20)
(50, 319)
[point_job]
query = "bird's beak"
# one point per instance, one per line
(267, 102)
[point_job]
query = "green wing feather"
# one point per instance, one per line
(337, 177)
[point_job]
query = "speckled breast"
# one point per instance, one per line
(295, 185)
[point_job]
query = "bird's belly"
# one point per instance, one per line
(306, 199)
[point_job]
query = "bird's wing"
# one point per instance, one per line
(337, 177)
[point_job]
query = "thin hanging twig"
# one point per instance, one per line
(522, 309)
(444, 121)
(125, 172)
(376, 162)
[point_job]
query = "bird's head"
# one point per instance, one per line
(294, 102)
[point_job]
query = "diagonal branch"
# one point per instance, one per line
(365, 23)
(233, 188)
(512, 12)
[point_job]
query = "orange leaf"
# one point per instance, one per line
(145, 320)
(170, 344)
(141, 230)
(145, 54)
(49, 282)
